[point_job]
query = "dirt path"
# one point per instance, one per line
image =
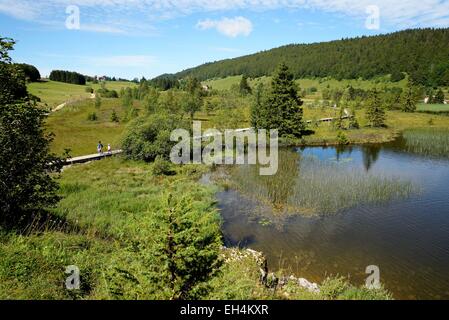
(62, 105)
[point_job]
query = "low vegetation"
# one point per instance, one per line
(308, 186)
(429, 142)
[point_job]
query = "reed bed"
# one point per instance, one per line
(309, 186)
(432, 142)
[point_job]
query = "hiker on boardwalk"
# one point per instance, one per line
(109, 149)
(100, 147)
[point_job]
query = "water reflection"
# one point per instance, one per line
(407, 237)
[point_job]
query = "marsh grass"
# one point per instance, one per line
(308, 186)
(432, 142)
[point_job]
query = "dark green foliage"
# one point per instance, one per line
(187, 247)
(339, 121)
(165, 82)
(257, 118)
(162, 167)
(68, 77)
(12, 78)
(244, 87)
(353, 122)
(26, 188)
(173, 257)
(409, 99)
(106, 93)
(342, 138)
(439, 97)
(281, 109)
(114, 116)
(31, 72)
(92, 116)
(366, 57)
(375, 111)
(397, 76)
(150, 137)
(192, 104)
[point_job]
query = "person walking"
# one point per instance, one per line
(109, 149)
(100, 147)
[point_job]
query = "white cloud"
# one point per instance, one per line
(230, 27)
(410, 13)
(101, 28)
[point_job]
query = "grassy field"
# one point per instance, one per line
(433, 107)
(55, 93)
(114, 85)
(74, 131)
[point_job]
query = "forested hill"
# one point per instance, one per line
(422, 53)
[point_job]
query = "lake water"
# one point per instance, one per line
(407, 238)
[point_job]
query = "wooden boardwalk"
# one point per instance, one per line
(92, 157)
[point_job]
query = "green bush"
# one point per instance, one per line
(114, 116)
(92, 116)
(162, 167)
(147, 138)
(342, 138)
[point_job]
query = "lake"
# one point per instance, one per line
(406, 235)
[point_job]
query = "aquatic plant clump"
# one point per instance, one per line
(308, 186)
(433, 142)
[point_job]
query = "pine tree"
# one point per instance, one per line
(408, 99)
(257, 108)
(245, 88)
(339, 121)
(375, 112)
(283, 106)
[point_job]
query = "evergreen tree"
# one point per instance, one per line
(375, 111)
(283, 107)
(408, 99)
(257, 108)
(244, 87)
(339, 121)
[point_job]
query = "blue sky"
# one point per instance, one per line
(135, 38)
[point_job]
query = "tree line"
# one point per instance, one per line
(421, 53)
(68, 77)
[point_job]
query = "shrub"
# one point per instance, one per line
(89, 90)
(162, 167)
(92, 116)
(342, 138)
(148, 138)
(114, 116)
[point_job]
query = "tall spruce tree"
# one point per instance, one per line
(245, 88)
(408, 99)
(375, 111)
(283, 107)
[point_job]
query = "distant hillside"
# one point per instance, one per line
(422, 53)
